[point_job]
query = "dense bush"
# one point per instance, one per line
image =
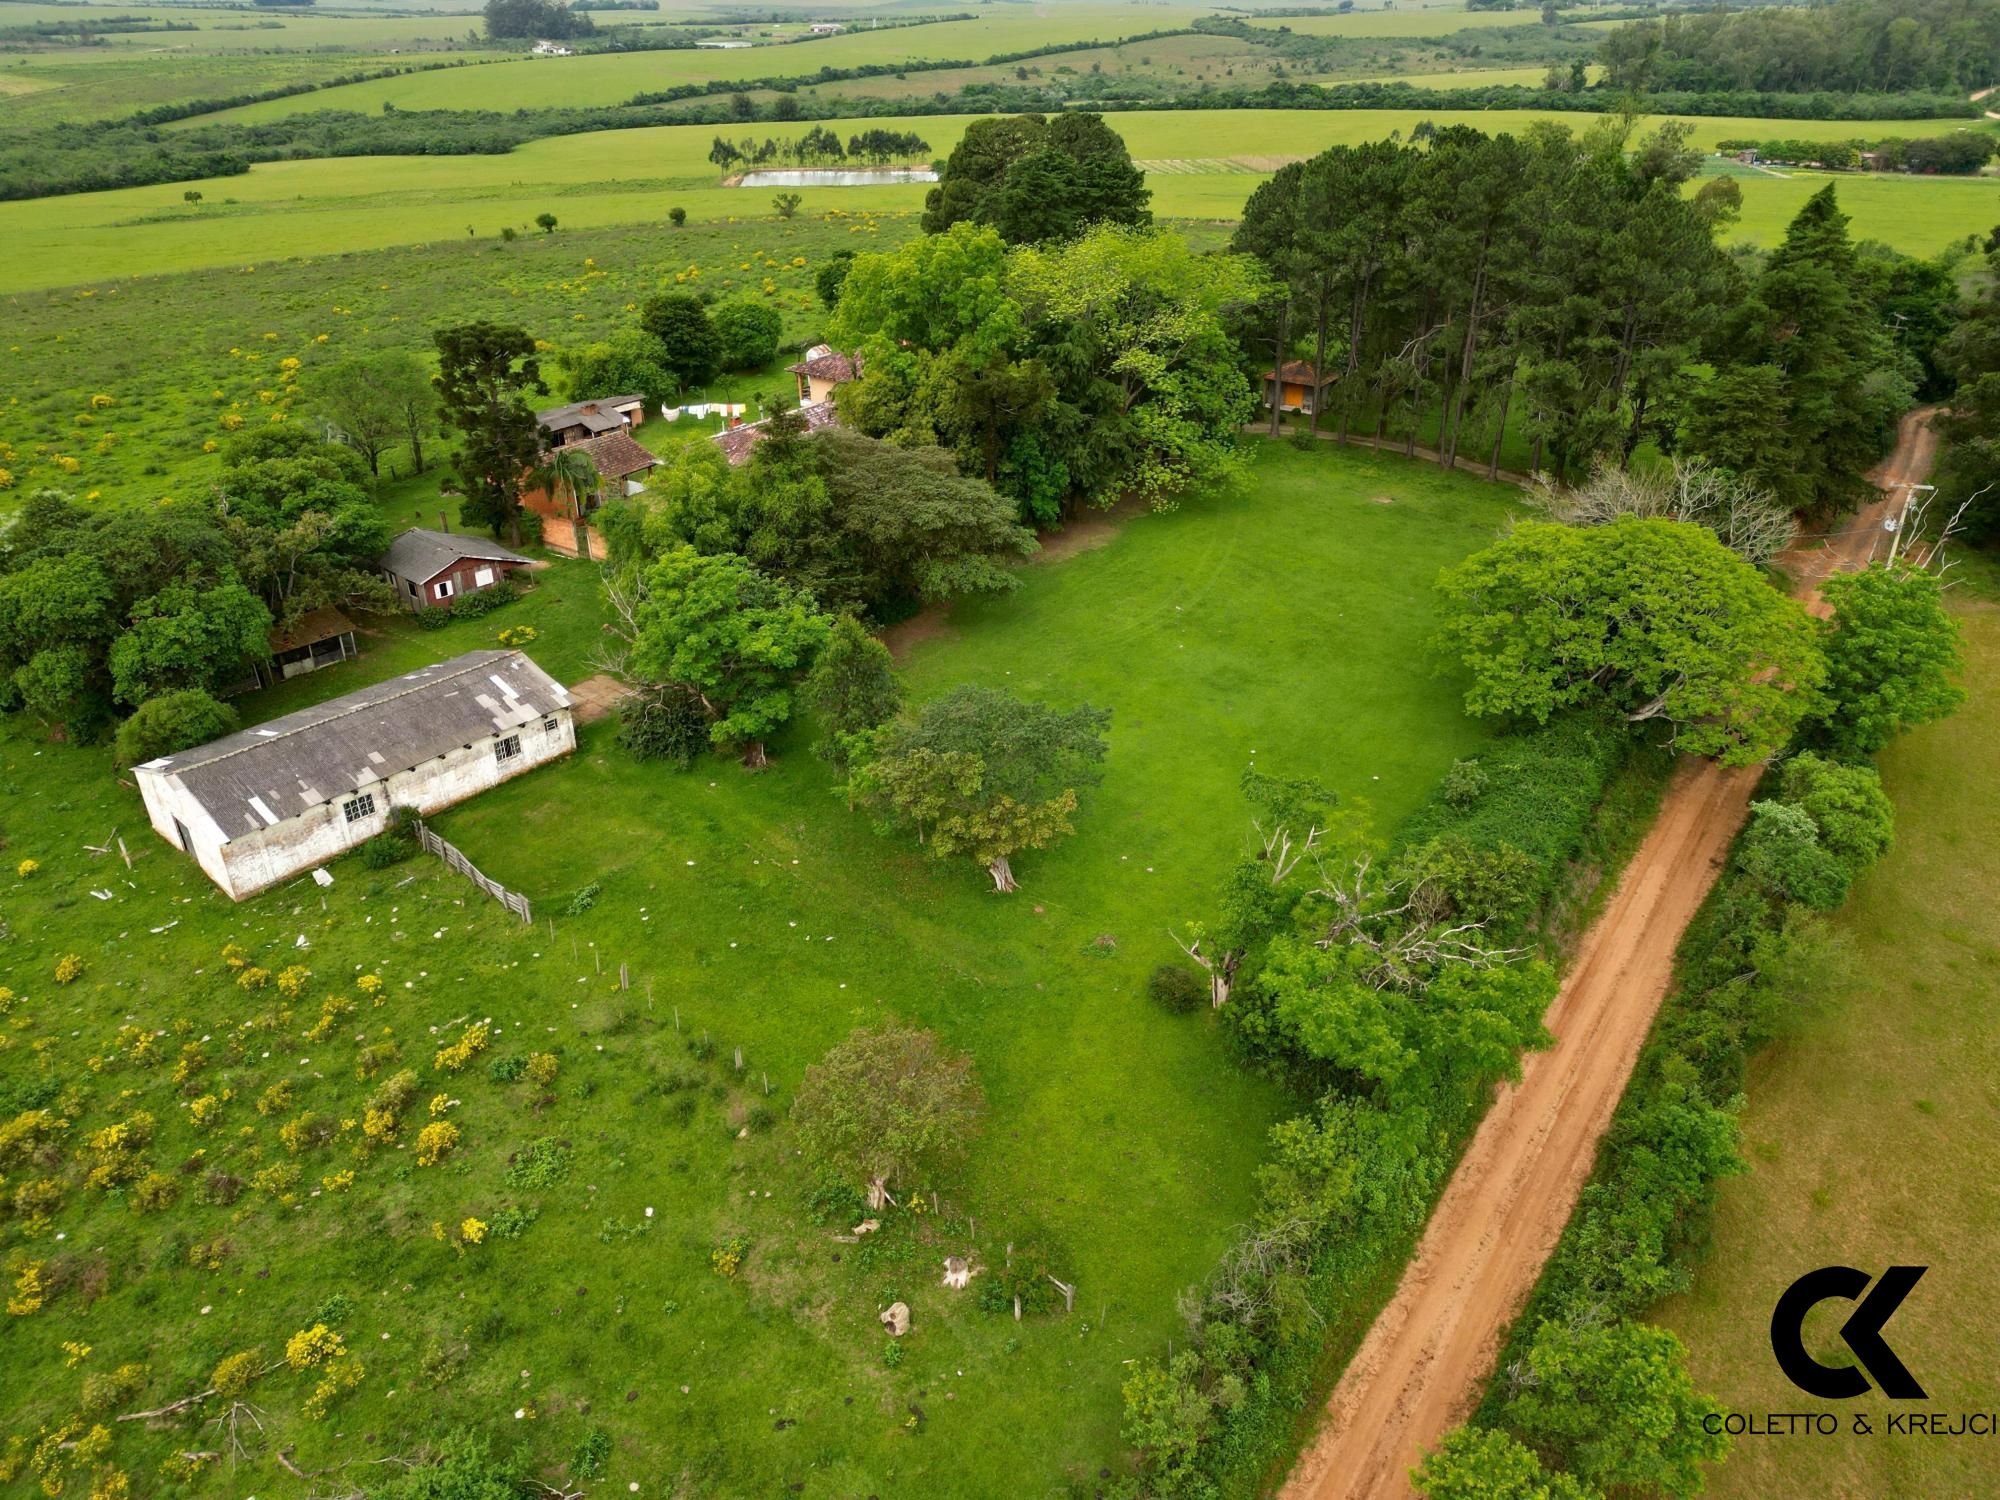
(1177, 988)
(665, 723)
(173, 722)
(482, 602)
(434, 618)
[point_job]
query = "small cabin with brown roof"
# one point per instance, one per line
(821, 371)
(594, 418)
(1297, 386)
(429, 569)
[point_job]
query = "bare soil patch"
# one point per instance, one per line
(594, 697)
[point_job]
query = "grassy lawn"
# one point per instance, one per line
(758, 913)
(1871, 1138)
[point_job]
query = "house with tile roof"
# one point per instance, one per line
(621, 465)
(822, 369)
(269, 803)
(736, 442)
(592, 418)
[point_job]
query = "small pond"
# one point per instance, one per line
(830, 177)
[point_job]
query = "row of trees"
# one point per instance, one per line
(1849, 46)
(1961, 152)
(1571, 285)
(818, 147)
(550, 20)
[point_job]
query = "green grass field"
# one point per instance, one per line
(755, 912)
(1871, 1142)
(316, 208)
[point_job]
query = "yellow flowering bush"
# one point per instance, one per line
(311, 1347)
(276, 1099)
(69, 968)
(337, 1182)
(237, 1373)
(74, 1353)
(370, 985)
(435, 1142)
(279, 1181)
(472, 1232)
(341, 1376)
(439, 1104)
(454, 1058)
(727, 1257)
(234, 956)
(542, 1068)
(292, 980)
(29, 1291)
(253, 978)
(28, 867)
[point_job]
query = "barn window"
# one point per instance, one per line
(444, 588)
(482, 578)
(549, 726)
(360, 807)
(508, 748)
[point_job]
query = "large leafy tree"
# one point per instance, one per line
(738, 638)
(1655, 618)
(1893, 656)
(632, 361)
(1158, 311)
(851, 689)
(485, 372)
(979, 773)
(1616, 1404)
(887, 1105)
(175, 721)
(685, 344)
(188, 636)
(1036, 180)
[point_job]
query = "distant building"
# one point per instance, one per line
(827, 28)
(429, 569)
(737, 441)
(1297, 386)
(822, 369)
(269, 803)
(551, 49)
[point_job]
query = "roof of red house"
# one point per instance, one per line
(823, 363)
(1301, 372)
(737, 442)
(420, 555)
(616, 455)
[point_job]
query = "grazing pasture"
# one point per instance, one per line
(316, 208)
(1869, 1134)
(649, 1259)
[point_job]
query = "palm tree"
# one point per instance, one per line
(569, 471)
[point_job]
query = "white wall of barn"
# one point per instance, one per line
(253, 861)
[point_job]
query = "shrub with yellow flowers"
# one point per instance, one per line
(233, 1378)
(371, 986)
(340, 1377)
(542, 1067)
(337, 1182)
(276, 1099)
(27, 868)
(435, 1142)
(292, 980)
(253, 978)
(472, 1231)
(452, 1059)
(69, 968)
(29, 1290)
(312, 1347)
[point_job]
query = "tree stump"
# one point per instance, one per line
(896, 1318)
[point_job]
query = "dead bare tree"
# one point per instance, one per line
(1746, 518)
(1401, 923)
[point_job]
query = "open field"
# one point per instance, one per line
(611, 78)
(313, 208)
(752, 912)
(1871, 1138)
(1415, 21)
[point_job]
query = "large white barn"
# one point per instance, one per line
(272, 802)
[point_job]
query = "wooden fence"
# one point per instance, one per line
(514, 901)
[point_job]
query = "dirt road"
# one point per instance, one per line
(1423, 1364)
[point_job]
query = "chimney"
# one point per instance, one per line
(444, 523)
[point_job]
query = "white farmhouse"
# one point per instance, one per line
(269, 803)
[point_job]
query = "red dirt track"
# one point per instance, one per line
(1423, 1364)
